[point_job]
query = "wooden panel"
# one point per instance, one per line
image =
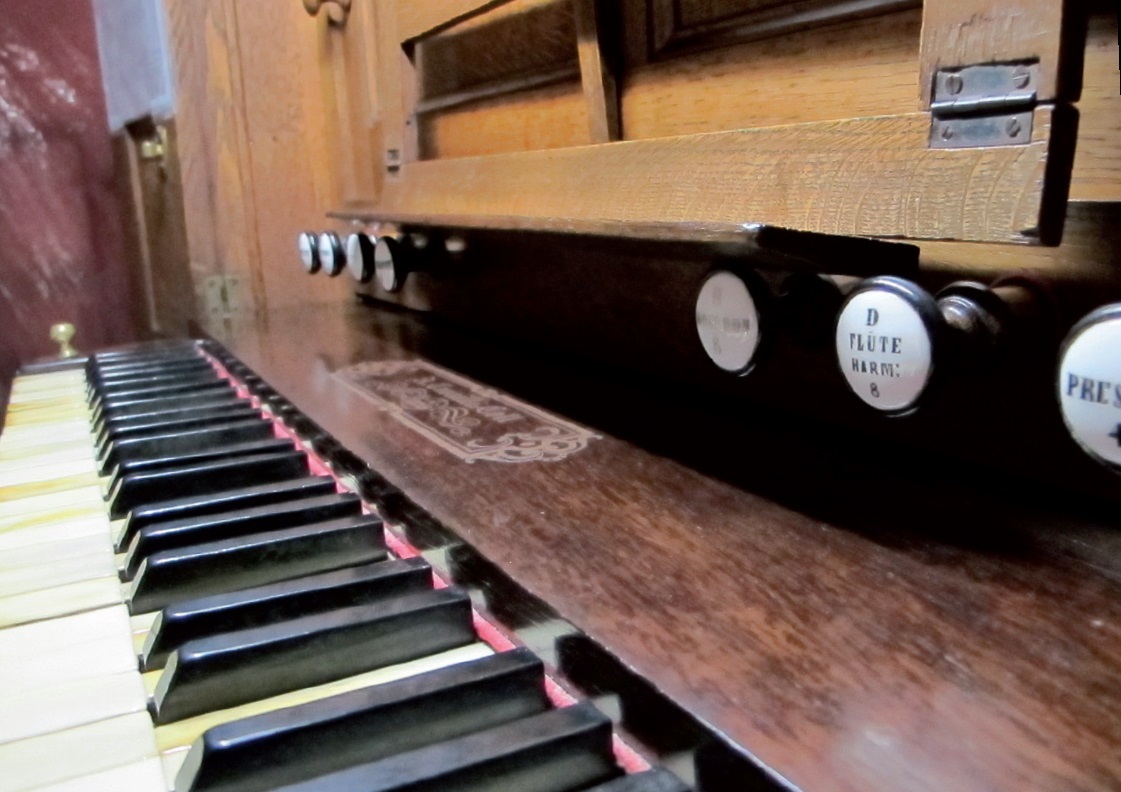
(1097, 158)
(253, 153)
(350, 102)
(533, 120)
(679, 25)
(772, 82)
(289, 154)
(416, 19)
(1087, 256)
(870, 177)
(397, 87)
(213, 145)
(965, 645)
(164, 276)
(871, 70)
(597, 74)
(527, 44)
(963, 32)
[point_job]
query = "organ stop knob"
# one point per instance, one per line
(308, 245)
(728, 319)
(360, 256)
(1089, 384)
(390, 265)
(893, 339)
(331, 255)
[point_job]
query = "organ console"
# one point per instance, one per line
(653, 451)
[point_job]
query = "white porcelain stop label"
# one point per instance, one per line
(1090, 387)
(727, 321)
(884, 350)
(306, 243)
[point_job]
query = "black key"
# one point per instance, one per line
(96, 369)
(108, 428)
(150, 387)
(136, 406)
(240, 411)
(146, 368)
(178, 350)
(247, 561)
(220, 501)
(297, 743)
(133, 467)
(200, 618)
(139, 378)
(187, 531)
(649, 781)
(161, 390)
(215, 476)
(97, 390)
(169, 444)
(234, 668)
(557, 751)
(99, 417)
(132, 371)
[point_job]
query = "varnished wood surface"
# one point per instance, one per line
(874, 632)
(421, 19)
(349, 104)
(963, 32)
(843, 177)
(597, 74)
(254, 141)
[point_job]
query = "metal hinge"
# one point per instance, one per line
(222, 295)
(986, 105)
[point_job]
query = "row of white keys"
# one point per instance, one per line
(69, 650)
(53, 525)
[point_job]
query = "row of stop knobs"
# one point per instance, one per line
(893, 340)
(364, 256)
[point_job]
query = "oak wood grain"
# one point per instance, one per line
(536, 119)
(347, 63)
(597, 75)
(865, 650)
(871, 70)
(964, 32)
(415, 20)
(253, 153)
(396, 86)
(1097, 157)
(869, 177)
(217, 194)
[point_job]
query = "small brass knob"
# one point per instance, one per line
(61, 333)
(336, 15)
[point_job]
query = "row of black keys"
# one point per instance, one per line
(268, 580)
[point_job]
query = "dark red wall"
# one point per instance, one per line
(62, 242)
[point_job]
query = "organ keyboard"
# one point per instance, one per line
(189, 601)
